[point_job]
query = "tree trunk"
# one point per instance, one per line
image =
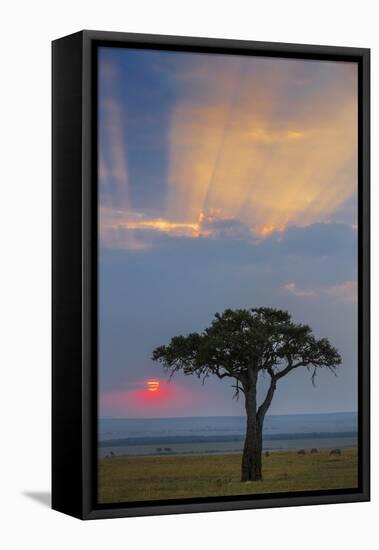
(252, 452)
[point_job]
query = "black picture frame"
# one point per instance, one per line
(74, 273)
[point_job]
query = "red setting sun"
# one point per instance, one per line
(149, 398)
(153, 385)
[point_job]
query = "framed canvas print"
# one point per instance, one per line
(210, 274)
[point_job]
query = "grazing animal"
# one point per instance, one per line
(314, 451)
(267, 453)
(335, 452)
(301, 452)
(167, 449)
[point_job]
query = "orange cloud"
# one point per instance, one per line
(165, 226)
(127, 229)
(235, 151)
(294, 289)
(238, 154)
(343, 292)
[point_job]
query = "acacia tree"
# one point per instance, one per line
(241, 344)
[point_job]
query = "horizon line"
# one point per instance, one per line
(220, 416)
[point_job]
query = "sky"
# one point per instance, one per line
(224, 182)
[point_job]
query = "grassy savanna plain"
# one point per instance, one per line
(133, 479)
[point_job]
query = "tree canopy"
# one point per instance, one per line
(243, 341)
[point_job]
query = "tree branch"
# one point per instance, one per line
(267, 401)
(288, 369)
(223, 375)
(238, 388)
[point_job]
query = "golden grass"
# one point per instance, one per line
(168, 477)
